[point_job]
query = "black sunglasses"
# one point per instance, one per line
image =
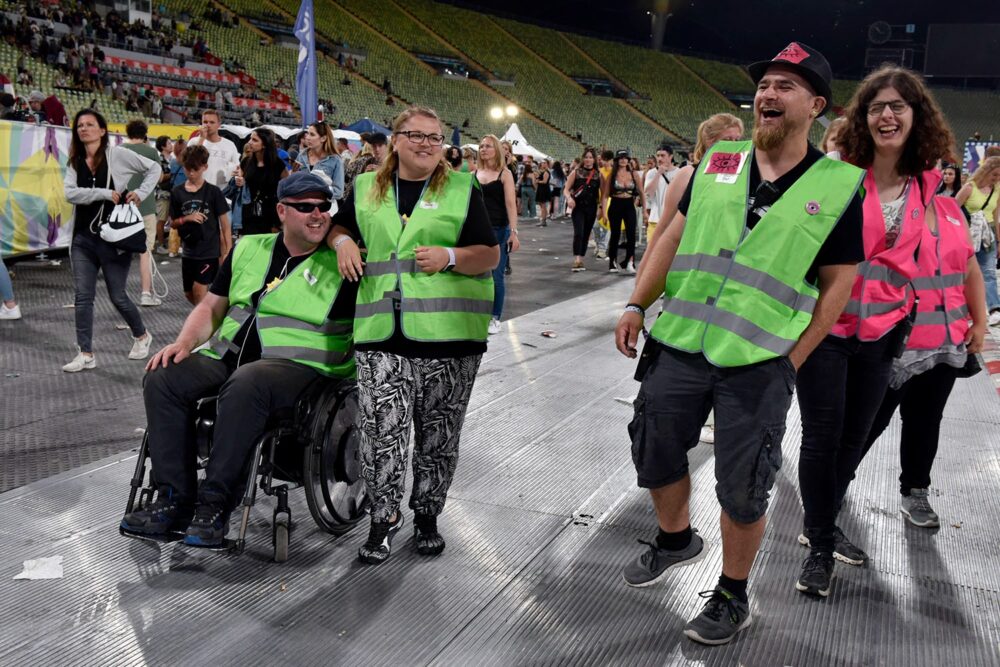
(309, 207)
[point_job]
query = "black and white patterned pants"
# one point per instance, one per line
(432, 394)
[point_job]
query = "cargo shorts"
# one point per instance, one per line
(679, 390)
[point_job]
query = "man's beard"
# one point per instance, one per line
(770, 137)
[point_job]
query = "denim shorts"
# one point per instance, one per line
(750, 402)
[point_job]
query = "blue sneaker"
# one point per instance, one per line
(209, 525)
(162, 516)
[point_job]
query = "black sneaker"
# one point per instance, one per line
(425, 534)
(817, 573)
(843, 549)
(720, 619)
(163, 515)
(652, 564)
(209, 525)
(379, 545)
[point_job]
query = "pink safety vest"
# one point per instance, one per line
(942, 313)
(880, 296)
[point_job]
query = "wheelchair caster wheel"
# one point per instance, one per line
(281, 538)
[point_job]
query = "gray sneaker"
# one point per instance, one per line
(918, 510)
(652, 564)
(721, 618)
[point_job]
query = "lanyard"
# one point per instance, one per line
(404, 218)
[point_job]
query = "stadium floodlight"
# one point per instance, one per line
(511, 110)
(496, 113)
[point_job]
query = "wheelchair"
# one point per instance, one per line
(315, 447)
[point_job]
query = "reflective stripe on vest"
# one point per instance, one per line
(942, 310)
(432, 307)
(737, 296)
(292, 318)
(881, 295)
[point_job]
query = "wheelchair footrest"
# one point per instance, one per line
(162, 538)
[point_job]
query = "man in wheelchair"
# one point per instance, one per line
(278, 317)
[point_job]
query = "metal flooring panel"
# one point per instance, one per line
(543, 514)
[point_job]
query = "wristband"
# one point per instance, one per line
(635, 308)
(341, 241)
(451, 260)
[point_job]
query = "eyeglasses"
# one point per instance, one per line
(420, 137)
(897, 107)
(308, 206)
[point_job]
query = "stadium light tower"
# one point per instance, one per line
(511, 111)
(496, 113)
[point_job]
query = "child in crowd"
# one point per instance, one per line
(200, 215)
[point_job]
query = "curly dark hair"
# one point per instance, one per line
(930, 138)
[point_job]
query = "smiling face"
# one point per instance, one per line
(784, 105)
(304, 229)
(417, 160)
(889, 129)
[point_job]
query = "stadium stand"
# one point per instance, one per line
(726, 78)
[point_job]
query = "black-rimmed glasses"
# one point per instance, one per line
(420, 137)
(897, 107)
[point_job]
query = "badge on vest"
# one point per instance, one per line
(812, 208)
(952, 220)
(726, 166)
(429, 205)
(310, 278)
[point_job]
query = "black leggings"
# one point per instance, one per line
(621, 210)
(921, 402)
(584, 214)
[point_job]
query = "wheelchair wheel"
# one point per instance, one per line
(281, 538)
(335, 491)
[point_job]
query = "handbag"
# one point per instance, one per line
(981, 229)
(970, 368)
(124, 228)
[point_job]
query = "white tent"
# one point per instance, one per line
(520, 144)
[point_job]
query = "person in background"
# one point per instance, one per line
(655, 183)
(557, 179)
(137, 141)
(9, 310)
(95, 178)
(470, 159)
(830, 143)
(497, 185)
(526, 186)
(165, 150)
(344, 150)
(319, 156)
(223, 156)
(35, 99)
(619, 191)
(583, 193)
(601, 228)
(542, 195)
(200, 214)
(453, 156)
(258, 175)
(369, 159)
(951, 180)
(981, 194)
(420, 324)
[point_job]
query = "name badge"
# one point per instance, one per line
(726, 166)
(430, 205)
(953, 220)
(310, 278)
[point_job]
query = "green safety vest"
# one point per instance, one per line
(292, 318)
(433, 307)
(737, 296)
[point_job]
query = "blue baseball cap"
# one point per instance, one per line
(304, 183)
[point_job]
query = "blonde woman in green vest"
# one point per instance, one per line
(755, 268)
(424, 305)
(278, 317)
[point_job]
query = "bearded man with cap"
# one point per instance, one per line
(755, 269)
(277, 318)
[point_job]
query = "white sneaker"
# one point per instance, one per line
(707, 435)
(10, 313)
(81, 362)
(140, 348)
(994, 318)
(148, 299)
(630, 268)
(613, 268)
(494, 326)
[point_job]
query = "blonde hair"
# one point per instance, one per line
(710, 130)
(986, 167)
(384, 176)
(835, 126)
(499, 161)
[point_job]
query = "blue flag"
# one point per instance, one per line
(305, 76)
(456, 137)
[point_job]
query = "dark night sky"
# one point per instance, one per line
(838, 28)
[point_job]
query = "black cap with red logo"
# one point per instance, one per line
(805, 61)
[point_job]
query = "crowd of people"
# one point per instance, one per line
(841, 275)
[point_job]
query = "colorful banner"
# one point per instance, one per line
(34, 213)
(974, 152)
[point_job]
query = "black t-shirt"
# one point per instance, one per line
(88, 215)
(477, 230)
(208, 199)
(343, 307)
(844, 245)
